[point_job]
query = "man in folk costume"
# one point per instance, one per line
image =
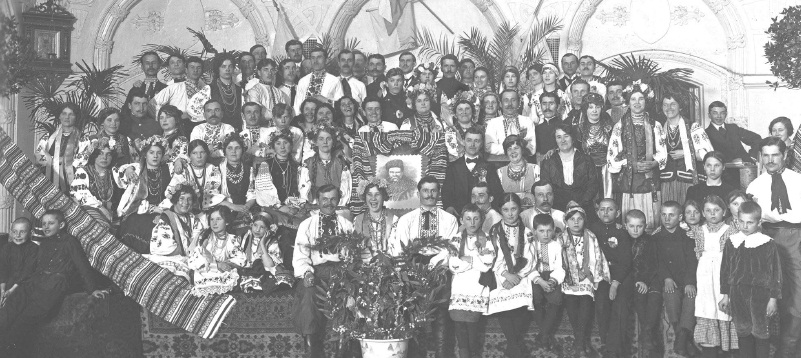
(686, 144)
(430, 221)
(213, 131)
(264, 92)
(636, 154)
(179, 93)
(543, 204)
(464, 173)
(324, 168)
(176, 66)
(224, 90)
(778, 193)
(313, 267)
(319, 84)
(510, 122)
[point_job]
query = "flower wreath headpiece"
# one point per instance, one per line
(104, 142)
(413, 91)
(468, 96)
(382, 183)
(155, 140)
(285, 134)
(431, 67)
(322, 128)
(639, 86)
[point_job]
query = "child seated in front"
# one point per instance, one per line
(751, 282)
(17, 258)
(546, 279)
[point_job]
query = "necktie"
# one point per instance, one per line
(471, 160)
(426, 220)
(722, 130)
(779, 199)
(150, 89)
(292, 92)
(345, 87)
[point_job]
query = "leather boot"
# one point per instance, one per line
(789, 338)
(680, 344)
(443, 332)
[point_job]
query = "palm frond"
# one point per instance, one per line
(501, 49)
(101, 83)
(164, 52)
(87, 104)
(42, 93)
(535, 50)
(432, 49)
(476, 46)
(207, 46)
(352, 44)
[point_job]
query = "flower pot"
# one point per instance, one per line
(384, 348)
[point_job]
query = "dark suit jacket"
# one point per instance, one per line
(730, 143)
(374, 89)
(150, 94)
(459, 183)
(390, 105)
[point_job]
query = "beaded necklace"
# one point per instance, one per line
(153, 181)
(235, 174)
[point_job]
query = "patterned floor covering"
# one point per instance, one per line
(260, 326)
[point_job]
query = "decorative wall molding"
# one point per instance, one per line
(682, 15)
(217, 20)
(619, 16)
(117, 10)
(152, 22)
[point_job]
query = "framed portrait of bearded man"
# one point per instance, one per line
(401, 172)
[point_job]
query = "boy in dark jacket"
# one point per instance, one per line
(612, 300)
(676, 267)
(648, 289)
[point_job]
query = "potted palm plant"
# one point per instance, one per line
(381, 301)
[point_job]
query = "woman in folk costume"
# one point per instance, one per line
(176, 230)
(324, 168)
(469, 298)
(145, 185)
(216, 255)
(238, 184)
(264, 268)
(483, 84)
(490, 107)
(424, 119)
(94, 187)
(347, 117)
(531, 101)
(593, 129)
(519, 175)
(204, 178)
(377, 222)
(585, 267)
(636, 154)
(177, 143)
(109, 123)
(57, 151)
(686, 144)
(510, 299)
(277, 186)
(463, 119)
(714, 328)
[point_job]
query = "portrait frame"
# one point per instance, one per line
(402, 173)
(47, 44)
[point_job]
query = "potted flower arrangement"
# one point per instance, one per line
(381, 301)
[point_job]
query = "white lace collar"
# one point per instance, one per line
(751, 241)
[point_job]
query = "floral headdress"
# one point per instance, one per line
(275, 136)
(104, 142)
(322, 128)
(639, 86)
(363, 183)
(413, 91)
(155, 140)
(431, 67)
(468, 96)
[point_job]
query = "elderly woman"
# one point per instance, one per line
(424, 119)
(454, 135)
(169, 119)
(377, 223)
(593, 129)
(109, 122)
(57, 151)
(531, 101)
(216, 255)
(782, 128)
(177, 229)
(573, 174)
(145, 185)
(93, 187)
(203, 177)
(490, 105)
(686, 144)
(518, 176)
(714, 184)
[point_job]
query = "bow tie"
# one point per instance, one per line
(470, 160)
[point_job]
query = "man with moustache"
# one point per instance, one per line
(407, 62)
(449, 85)
(570, 64)
(480, 195)
(510, 122)
(546, 142)
(399, 187)
(728, 139)
(430, 221)
(286, 80)
(466, 68)
(614, 95)
(139, 124)
(466, 172)
(314, 267)
(319, 85)
(179, 93)
(213, 131)
(294, 51)
(351, 86)
(376, 64)
(587, 72)
(778, 193)
(360, 66)
(543, 204)
(151, 65)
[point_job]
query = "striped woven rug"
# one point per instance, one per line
(154, 288)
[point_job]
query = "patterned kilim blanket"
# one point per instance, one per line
(154, 288)
(430, 146)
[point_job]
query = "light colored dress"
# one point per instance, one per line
(466, 293)
(501, 299)
(714, 327)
